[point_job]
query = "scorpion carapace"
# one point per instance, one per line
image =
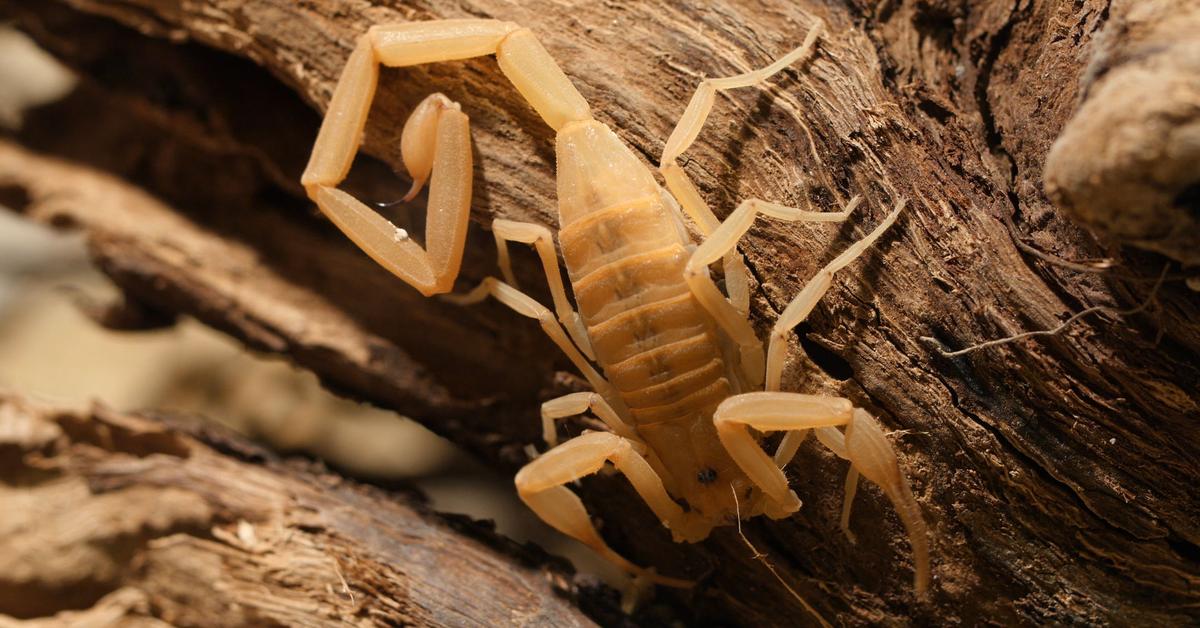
(683, 388)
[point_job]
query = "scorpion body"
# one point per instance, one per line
(625, 251)
(686, 390)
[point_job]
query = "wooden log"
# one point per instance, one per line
(1057, 473)
(114, 519)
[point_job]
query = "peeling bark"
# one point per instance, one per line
(1058, 474)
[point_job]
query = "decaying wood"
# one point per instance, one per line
(121, 520)
(1127, 164)
(1057, 474)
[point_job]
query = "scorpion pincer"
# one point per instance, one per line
(682, 385)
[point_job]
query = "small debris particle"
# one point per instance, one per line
(399, 236)
(245, 534)
(1112, 441)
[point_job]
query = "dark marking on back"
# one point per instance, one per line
(707, 476)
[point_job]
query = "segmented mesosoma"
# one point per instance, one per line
(683, 386)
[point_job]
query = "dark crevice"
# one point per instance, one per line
(1187, 550)
(126, 313)
(996, 45)
(1189, 199)
(15, 197)
(937, 23)
(935, 110)
(750, 267)
(33, 599)
(995, 139)
(831, 363)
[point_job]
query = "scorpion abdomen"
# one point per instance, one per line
(625, 253)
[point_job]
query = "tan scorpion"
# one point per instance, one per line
(683, 386)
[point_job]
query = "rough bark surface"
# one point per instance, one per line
(1057, 473)
(121, 520)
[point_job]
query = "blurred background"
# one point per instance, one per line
(51, 351)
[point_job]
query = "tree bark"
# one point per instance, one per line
(1058, 474)
(122, 520)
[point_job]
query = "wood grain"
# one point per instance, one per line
(115, 519)
(1058, 474)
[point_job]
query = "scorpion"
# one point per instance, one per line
(682, 386)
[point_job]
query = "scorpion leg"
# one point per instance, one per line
(863, 444)
(685, 133)
(527, 306)
(796, 312)
(804, 302)
(799, 309)
(540, 237)
(773, 411)
(720, 242)
(541, 485)
(835, 441)
(577, 403)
